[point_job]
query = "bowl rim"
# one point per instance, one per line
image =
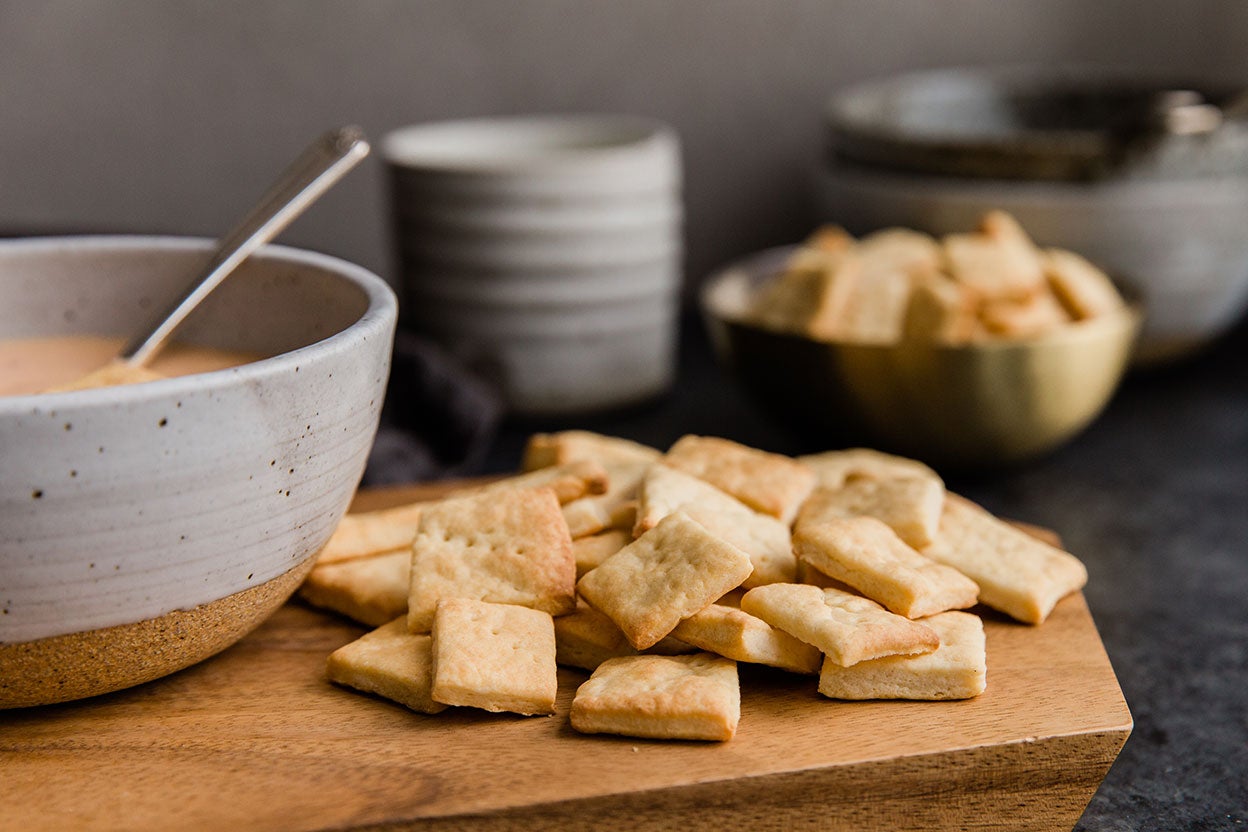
(760, 265)
(381, 310)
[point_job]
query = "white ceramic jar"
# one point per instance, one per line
(545, 252)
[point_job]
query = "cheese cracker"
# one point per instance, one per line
(735, 634)
(371, 590)
(847, 628)
(765, 539)
(498, 657)
(834, 468)
(1017, 573)
(546, 449)
(769, 483)
(666, 575)
(509, 547)
(910, 506)
(389, 662)
(695, 697)
(870, 557)
(955, 670)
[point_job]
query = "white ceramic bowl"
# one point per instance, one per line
(544, 252)
(143, 528)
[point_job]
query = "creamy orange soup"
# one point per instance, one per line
(33, 365)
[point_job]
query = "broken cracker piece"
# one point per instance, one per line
(666, 575)
(869, 556)
(769, 483)
(695, 697)
(738, 635)
(497, 657)
(509, 547)
(389, 662)
(955, 670)
(847, 628)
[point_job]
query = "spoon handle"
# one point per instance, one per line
(324, 162)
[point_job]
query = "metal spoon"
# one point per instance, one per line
(322, 164)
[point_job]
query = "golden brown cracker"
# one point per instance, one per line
(738, 635)
(769, 483)
(910, 506)
(390, 662)
(371, 590)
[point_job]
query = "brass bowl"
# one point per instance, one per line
(963, 406)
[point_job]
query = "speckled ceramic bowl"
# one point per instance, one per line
(144, 528)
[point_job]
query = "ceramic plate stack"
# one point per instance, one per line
(544, 252)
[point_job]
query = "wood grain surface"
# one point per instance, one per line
(257, 739)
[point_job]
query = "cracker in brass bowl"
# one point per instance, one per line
(974, 351)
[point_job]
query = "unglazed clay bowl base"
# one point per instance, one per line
(146, 526)
(79, 665)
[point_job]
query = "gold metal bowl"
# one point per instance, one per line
(960, 406)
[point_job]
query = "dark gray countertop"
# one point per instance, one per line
(1154, 499)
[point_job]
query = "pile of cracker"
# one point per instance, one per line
(896, 284)
(659, 572)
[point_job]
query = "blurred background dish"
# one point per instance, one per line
(965, 406)
(1144, 177)
(146, 527)
(544, 253)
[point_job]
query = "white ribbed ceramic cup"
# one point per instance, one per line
(543, 251)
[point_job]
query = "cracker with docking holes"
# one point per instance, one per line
(389, 662)
(910, 506)
(508, 547)
(769, 483)
(735, 634)
(1017, 574)
(869, 556)
(666, 575)
(371, 590)
(955, 670)
(696, 697)
(497, 657)
(765, 539)
(846, 628)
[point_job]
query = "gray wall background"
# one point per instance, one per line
(171, 117)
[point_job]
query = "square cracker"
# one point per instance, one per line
(371, 533)
(870, 557)
(834, 468)
(955, 670)
(765, 539)
(941, 309)
(734, 634)
(370, 590)
(910, 506)
(695, 697)
(1017, 574)
(1083, 289)
(809, 297)
(994, 267)
(389, 662)
(666, 575)
(769, 483)
(847, 628)
(587, 638)
(509, 547)
(875, 310)
(498, 657)
(590, 552)
(545, 449)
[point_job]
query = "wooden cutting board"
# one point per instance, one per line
(257, 739)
